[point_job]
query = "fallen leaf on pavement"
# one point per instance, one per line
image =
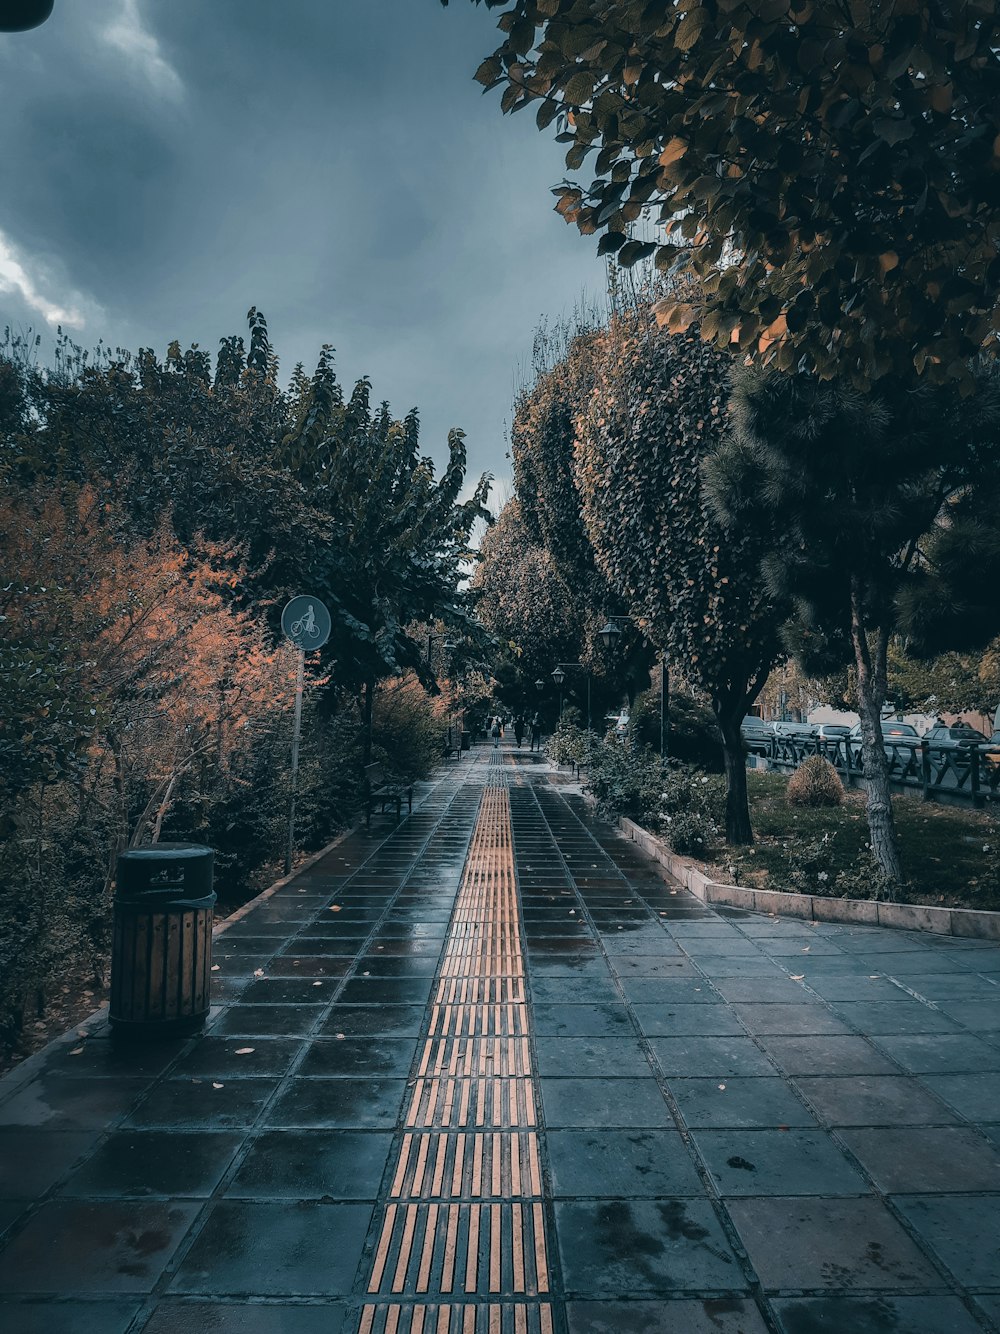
(244, 1051)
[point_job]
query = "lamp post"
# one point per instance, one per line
(559, 676)
(611, 634)
(449, 646)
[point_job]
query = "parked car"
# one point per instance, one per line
(954, 736)
(756, 733)
(895, 735)
(990, 750)
(832, 732)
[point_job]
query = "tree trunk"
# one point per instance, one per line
(871, 694)
(729, 715)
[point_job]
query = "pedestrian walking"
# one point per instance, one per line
(536, 732)
(495, 732)
(519, 730)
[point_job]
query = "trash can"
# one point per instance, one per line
(161, 950)
(466, 740)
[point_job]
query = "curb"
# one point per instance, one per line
(968, 923)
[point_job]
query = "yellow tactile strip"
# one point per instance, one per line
(462, 1244)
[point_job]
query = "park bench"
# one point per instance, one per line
(381, 787)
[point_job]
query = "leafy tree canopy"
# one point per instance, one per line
(829, 168)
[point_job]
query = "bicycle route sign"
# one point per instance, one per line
(306, 622)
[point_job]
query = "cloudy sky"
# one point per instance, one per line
(166, 164)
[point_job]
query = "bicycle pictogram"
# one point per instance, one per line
(306, 625)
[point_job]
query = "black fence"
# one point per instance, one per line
(959, 774)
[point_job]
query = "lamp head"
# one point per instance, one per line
(559, 676)
(611, 633)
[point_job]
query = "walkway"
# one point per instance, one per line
(485, 1073)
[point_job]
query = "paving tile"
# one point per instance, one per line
(627, 1163)
(236, 1058)
(212, 1103)
(61, 1102)
(942, 1053)
(921, 1159)
(873, 1100)
(721, 1057)
(180, 1317)
(777, 1162)
(749, 1103)
(371, 1020)
(975, 1096)
(313, 1164)
(607, 1103)
(878, 1017)
(317, 1103)
(807, 1243)
(110, 1058)
(270, 1248)
(386, 991)
(136, 1163)
(688, 1020)
(266, 1020)
(590, 1057)
(574, 990)
(949, 1223)
(827, 1056)
(979, 1016)
(875, 1315)
(724, 1315)
(33, 1160)
(626, 1247)
(761, 990)
(289, 991)
(785, 1017)
(368, 1056)
(581, 1020)
(49, 1317)
(71, 1246)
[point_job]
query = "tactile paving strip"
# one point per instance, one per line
(462, 1246)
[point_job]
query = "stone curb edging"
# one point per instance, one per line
(967, 922)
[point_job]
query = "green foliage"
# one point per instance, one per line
(656, 413)
(691, 810)
(570, 743)
(815, 783)
(623, 780)
(154, 516)
(693, 735)
(408, 733)
(852, 497)
(827, 171)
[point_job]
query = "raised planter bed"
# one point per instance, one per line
(966, 922)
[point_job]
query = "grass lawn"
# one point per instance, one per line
(951, 854)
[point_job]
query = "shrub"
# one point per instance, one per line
(815, 783)
(691, 809)
(569, 742)
(625, 781)
(693, 736)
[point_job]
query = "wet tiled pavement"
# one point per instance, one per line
(697, 1120)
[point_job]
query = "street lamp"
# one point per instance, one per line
(559, 676)
(449, 646)
(611, 634)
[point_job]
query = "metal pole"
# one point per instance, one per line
(296, 730)
(663, 705)
(590, 735)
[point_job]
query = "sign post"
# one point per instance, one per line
(307, 623)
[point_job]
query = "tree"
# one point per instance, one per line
(656, 413)
(399, 535)
(853, 498)
(828, 169)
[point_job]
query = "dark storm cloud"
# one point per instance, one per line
(166, 165)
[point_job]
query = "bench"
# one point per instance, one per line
(379, 786)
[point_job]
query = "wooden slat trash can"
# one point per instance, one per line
(161, 952)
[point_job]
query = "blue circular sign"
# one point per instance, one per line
(306, 622)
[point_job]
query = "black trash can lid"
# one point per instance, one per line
(181, 870)
(170, 851)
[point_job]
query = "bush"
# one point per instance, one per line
(569, 742)
(693, 736)
(815, 783)
(408, 730)
(625, 781)
(691, 808)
